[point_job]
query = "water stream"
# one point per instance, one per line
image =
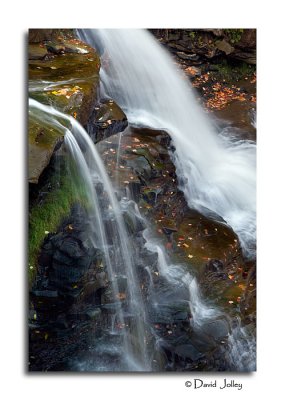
(163, 312)
(92, 170)
(216, 173)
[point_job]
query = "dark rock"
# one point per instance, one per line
(190, 57)
(216, 32)
(168, 230)
(71, 247)
(55, 48)
(94, 314)
(213, 67)
(166, 313)
(218, 329)
(135, 188)
(188, 351)
(177, 46)
(248, 57)
(45, 293)
(107, 119)
(202, 341)
(134, 223)
(215, 266)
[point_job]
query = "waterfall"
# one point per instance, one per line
(216, 173)
(91, 170)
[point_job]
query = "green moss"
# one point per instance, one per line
(47, 216)
(234, 35)
(192, 34)
(233, 72)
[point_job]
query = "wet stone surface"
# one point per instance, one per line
(205, 245)
(55, 78)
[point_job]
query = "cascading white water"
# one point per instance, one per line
(90, 167)
(241, 344)
(218, 174)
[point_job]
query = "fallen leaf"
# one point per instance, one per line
(121, 296)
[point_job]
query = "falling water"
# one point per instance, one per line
(216, 174)
(241, 350)
(92, 170)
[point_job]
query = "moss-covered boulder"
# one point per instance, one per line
(44, 138)
(63, 73)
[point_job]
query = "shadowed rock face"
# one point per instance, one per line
(63, 73)
(199, 45)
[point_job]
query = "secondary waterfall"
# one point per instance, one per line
(216, 173)
(92, 171)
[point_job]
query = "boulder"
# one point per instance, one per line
(224, 46)
(107, 119)
(55, 72)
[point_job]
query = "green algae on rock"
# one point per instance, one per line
(63, 74)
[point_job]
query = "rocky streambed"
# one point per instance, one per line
(72, 317)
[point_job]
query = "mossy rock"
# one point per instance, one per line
(65, 78)
(63, 73)
(44, 138)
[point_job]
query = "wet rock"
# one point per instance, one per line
(218, 329)
(43, 141)
(215, 266)
(167, 313)
(55, 48)
(72, 98)
(201, 341)
(37, 52)
(168, 230)
(140, 165)
(134, 223)
(107, 119)
(94, 314)
(45, 293)
(134, 188)
(188, 351)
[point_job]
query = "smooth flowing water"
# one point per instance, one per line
(91, 170)
(216, 173)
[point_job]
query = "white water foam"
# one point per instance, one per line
(218, 174)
